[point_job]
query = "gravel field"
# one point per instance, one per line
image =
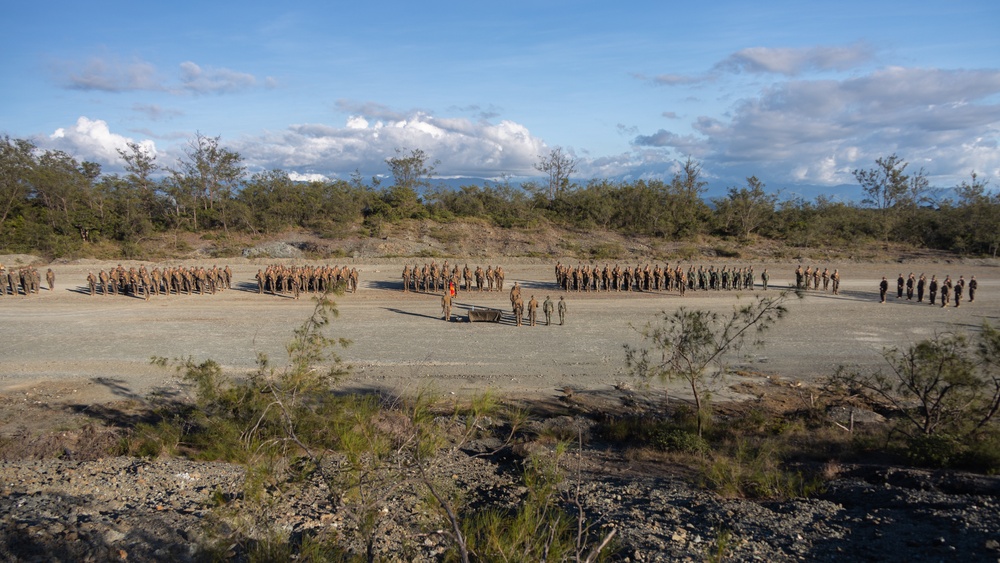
(101, 346)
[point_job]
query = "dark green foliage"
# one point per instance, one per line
(54, 205)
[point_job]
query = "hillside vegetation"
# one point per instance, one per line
(53, 205)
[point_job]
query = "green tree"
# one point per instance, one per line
(411, 173)
(558, 167)
(944, 385)
(16, 163)
(746, 209)
(890, 191)
(206, 180)
(690, 345)
(978, 217)
(684, 204)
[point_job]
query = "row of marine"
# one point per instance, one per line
(432, 277)
(918, 285)
(142, 282)
(23, 281)
(293, 280)
(810, 278)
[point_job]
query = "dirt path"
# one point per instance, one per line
(99, 348)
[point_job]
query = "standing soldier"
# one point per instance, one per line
(933, 288)
(562, 310)
(764, 278)
(899, 286)
(835, 278)
(910, 281)
(446, 306)
(532, 311)
(518, 310)
(104, 282)
(958, 290)
(498, 273)
(489, 277)
(92, 282)
(50, 277)
(260, 281)
(798, 277)
(406, 278)
(921, 285)
(826, 278)
(515, 294)
(973, 284)
(547, 308)
(883, 288)
(12, 282)
(945, 290)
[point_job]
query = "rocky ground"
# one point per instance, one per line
(118, 509)
(62, 501)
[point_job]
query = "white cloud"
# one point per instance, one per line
(818, 131)
(111, 74)
(210, 80)
(794, 61)
(306, 177)
(91, 139)
(463, 147)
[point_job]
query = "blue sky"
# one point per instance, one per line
(796, 93)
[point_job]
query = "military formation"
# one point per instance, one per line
(432, 278)
(142, 282)
(915, 287)
(810, 278)
(295, 280)
(667, 278)
(23, 281)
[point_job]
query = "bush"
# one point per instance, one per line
(755, 472)
(933, 450)
(676, 440)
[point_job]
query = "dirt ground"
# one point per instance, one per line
(66, 346)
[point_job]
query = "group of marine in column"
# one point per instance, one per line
(810, 279)
(142, 282)
(293, 280)
(432, 277)
(594, 278)
(23, 281)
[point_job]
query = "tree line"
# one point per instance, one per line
(53, 204)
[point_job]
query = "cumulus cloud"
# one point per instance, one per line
(820, 130)
(307, 177)
(91, 139)
(463, 147)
